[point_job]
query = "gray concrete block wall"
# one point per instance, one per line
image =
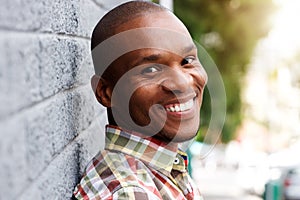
(50, 122)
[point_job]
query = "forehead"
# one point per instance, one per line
(162, 19)
(160, 30)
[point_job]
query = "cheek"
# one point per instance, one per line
(200, 76)
(140, 103)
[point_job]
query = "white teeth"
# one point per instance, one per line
(177, 108)
(181, 107)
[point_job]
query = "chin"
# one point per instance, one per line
(178, 136)
(184, 138)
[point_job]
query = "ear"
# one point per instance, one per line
(102, 90)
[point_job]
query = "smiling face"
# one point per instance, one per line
(164, 87)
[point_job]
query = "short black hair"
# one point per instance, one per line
(121, 14)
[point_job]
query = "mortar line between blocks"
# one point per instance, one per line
(44, 100)
(37, 33)
(99, 4)
(74, 141)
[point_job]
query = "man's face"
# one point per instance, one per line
(148, 77)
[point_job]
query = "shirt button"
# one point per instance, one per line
(176, 161)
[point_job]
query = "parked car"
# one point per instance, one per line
(286, 186)
(291, 184)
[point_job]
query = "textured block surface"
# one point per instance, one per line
(39, 67)
(73, 17)
(51, 124)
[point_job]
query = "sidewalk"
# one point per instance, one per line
(220, 184)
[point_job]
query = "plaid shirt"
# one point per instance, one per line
(132, 167)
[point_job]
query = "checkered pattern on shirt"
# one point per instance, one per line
(136, 168)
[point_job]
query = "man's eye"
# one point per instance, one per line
(187, 60)
(151, 69)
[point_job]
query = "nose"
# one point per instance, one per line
(177, 81)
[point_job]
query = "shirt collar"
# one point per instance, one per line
(157, 154)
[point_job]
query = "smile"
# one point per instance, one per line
(180, 107)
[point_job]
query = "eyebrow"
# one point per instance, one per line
(189, 48)
(150, 58)
(156, 57)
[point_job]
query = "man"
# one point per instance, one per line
(150, 79)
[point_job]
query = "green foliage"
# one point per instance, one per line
(229, 30)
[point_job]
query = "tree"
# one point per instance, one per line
(229, 30)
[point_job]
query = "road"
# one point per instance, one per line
(220, 184)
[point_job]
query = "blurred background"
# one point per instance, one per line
(51, 125)
(256, 47)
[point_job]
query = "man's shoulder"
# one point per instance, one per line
(112, 172)
(115, 168)
(114, 162)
